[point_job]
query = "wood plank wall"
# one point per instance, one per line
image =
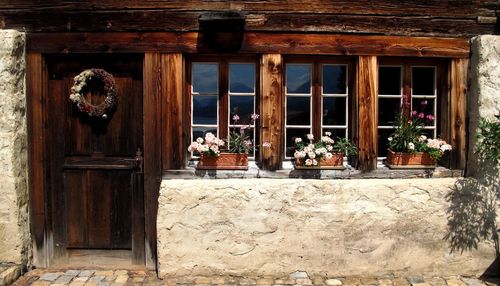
(448, 18)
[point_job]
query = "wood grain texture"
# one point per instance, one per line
(458, 112)
(34, 94)
(173, 133)
(291, 43)
(271, 111)
(367, 108)
(152, 149)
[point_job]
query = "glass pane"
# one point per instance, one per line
(422, 79)
(387, 110)
(298, 78)
(334, 110)
(205, 77)
(243, 107)
(383, 143)
(389, 80)
(291, 134)
(298, 110)
(425, 107)
(336, 133)
(241, 78)
(201, 131)
(205, 110)
(334, 79)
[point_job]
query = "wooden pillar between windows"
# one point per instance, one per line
(172, 92)
(367, 111)
(458, 109)
(271, 111)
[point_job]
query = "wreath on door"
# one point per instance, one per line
(109, 87)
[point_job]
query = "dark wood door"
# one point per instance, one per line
(93, 175)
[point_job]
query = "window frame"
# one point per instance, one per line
(223, 97)
(316, 126)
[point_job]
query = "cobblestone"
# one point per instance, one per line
(72, 277)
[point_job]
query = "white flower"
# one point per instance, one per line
(329, 147)
(302, 154)
(328, 133)
(296, 155)
(389, 139)
(445, 147)
(311, 155)
(328, 155)
(298, 140)
(309, 162)
(199, 140)
(422, 138)
(411, 146)
(193, 147)
(75, 97)
(315, 163)
(310, 136)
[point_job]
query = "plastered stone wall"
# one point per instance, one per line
(14, 226)
(484, 92)
(273, 227)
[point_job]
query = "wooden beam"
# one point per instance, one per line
(172, 101)
(152, 150)
(367, 111)
(282, 43)
(34, 98)
(458, 112)
(271, 111)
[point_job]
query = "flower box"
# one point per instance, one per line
(400, 160)
(336, 162)
(225, 161)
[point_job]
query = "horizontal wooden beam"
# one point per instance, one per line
(283, 43)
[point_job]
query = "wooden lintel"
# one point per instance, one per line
(258, 42)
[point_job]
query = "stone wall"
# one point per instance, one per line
(273, 227)
(14, 226)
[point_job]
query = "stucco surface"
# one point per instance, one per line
(14, 227)
(273, 227)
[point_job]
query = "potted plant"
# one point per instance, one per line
(215, 154)
(322, 154)
(408, 148)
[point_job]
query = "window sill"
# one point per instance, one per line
(382, 172)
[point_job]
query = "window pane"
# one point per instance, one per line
(423, 80)
(201, 131)
(298, 78)
(334, 79)
(334, 110)
(383, 143)
(241, 78)
(387, 110)
(205, 110)
(425, 106)
(389, 80)
(243, 107)
(205, 77)
(298, 110)
(336, 133)
(291, 134)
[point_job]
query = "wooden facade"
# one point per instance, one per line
(159, 38)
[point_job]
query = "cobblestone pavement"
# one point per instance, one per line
(40, 277)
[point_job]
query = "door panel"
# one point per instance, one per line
(92, 170)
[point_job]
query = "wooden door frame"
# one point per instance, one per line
(40, 217)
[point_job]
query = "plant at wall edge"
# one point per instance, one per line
(488, 139)
(408, 137)
(310, 154)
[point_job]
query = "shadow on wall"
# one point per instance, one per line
(472, 213)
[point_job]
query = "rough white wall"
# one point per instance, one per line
(258, 227)
(484, 91)
(14, 227)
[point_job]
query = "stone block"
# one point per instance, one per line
(10, 274)
(51, 276)
(333, 282)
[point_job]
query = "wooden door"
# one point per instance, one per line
(94, 178)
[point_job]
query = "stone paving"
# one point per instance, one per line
(39, 277)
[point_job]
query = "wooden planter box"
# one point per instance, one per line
(334, 163)
(225, 161)
(400, 160)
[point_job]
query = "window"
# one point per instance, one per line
(316, 100)
(220, 89)
(416, 82)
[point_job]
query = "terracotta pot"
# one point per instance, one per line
(409, 160)
(225, 161)
(334, 163)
